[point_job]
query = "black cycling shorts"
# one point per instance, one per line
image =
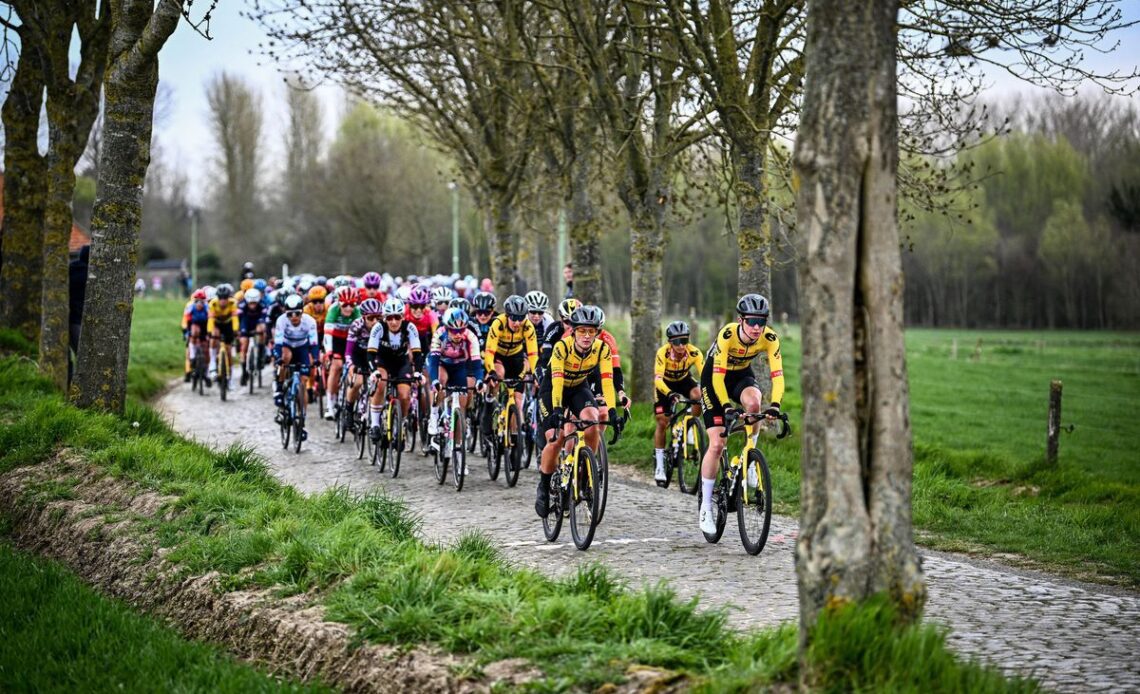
(226, 331)
(684, 388)
(734, 382)
(574, 399)
(513, 366)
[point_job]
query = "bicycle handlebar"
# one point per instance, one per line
(736, 421)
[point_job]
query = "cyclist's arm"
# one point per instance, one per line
(475, 363)
(234, 320)
(531, 345)
(210, 318)
(492, 346)
(314, 345)
(606, 366)
(775, 366)
(698, 359)
(415, 351)
(659, 371)
(720, 363)
(557, 364)
(433, 356)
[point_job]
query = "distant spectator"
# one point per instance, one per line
(76, 295)
(568, 275)
(184, 282)
(140, 287)
(487, 285)
(156, 283)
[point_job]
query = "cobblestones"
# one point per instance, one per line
(1072, 637)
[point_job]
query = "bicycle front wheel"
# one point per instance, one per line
(754, 503)
(603, 458)
(692, 453)
(395, 438)
(440, 458)
(360, 436)
(459, 451)
(298, 429)
(498, 447)
(286, 430)
(585, 498)
(552, 524)
(223, 375)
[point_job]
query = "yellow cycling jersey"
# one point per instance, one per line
(221, 314)
(570, 368)
(731, 353)
(504, 342)
(667, 370)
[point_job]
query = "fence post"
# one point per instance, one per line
(1054, 433)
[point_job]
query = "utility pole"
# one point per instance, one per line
(454, 188)
(194, 247)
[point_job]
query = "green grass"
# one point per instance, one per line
(980, 480)
(81, 641)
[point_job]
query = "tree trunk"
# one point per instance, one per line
(529, 268)
(502, 244)
(25, 181)
(138, 31)
(585, 232)
(754, 239)
(647, 253)
(855, 536)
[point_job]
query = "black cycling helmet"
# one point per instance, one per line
(225, 291)
(515, 307)
(460, 302)
(677, 328)
(586, 316)
(753, 305)
(484, 301)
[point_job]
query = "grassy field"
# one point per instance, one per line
(81, 641)
(362, 556)
(981, 484)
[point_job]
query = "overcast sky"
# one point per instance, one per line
(188, 61)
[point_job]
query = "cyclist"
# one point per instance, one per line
(672, 378)
(573, 359)
(222, 324)
(555, 332)
(537, 305)
(483, 306)
(440, 298)
(393, 349)
(457, 349)
(726, 379)
(371, 288)
(337, 320)
(315, 306)
(247, 272)
(195, 326)
(619, 379)
(356, 346)
(503, 356)
(252, 317)
(294, 342)
(423, 318)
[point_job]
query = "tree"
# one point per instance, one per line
(25, 193)
(855, 536)
(139, 29)
(236, 123)
(303, 145)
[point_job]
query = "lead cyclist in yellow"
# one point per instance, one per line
(727, 379)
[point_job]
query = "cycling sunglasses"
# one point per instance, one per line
(394, 317)
(372, 316)
(483, 313)
(516, 317)
(418, 306)
(678, 341)
(755, 321)
(589, 332)
(293, 314)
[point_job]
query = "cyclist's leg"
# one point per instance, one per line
(376, 404)
(404, 390)
(215, 344)
(662, 409)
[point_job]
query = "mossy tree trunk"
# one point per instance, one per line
(139, 29)
(72, 107)
(501, 241)
(754, 233)
(584, 230)
(855, 538)
(25, 192)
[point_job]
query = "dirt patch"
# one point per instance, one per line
(97, 533)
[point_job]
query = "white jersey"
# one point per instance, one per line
(289, 335)
(388, 342)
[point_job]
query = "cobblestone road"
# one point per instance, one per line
(1073, 637)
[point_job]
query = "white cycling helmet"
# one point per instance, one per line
(537, 301)
(441, 294)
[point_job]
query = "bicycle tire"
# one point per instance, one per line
(440, 461)
(473, 426)
(286, 430)
(754, 518)
(689, 467)
(396, 438)
(514, 455)
(587, 479)
(603, 457)
(250, 357)
(298, 422)
(552, 524)
(721, 506)
(411, 428)
(422, 418)
(223, 374)
(458, 450)
(498, 447)
(359, 437)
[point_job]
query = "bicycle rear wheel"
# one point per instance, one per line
(298, 422)
(720, 508)
(223, 373)
(411, 428)
(458, 450)
(585, 502)
(754, 504)
(603, 458)
(286, 430)
(552, 524)
(440, 458)
(498, 448)
(689, 465)
(249, 366)
(360, 435)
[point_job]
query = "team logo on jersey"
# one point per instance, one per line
(727, 334)
(771, 337)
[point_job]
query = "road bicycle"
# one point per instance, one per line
(686, 447)
(412, 420)
(317, 392)
(423, 401)
(575, 488)
(448, 443)
(199, 377)
(744, 484)
(223, 370)
(342, 415)
(254, 361)
(359, 410)
(530, 425)
(505, 443)
(393, 430)
(291, 415)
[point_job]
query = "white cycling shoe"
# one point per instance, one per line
(659, 473)
(708, 522)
